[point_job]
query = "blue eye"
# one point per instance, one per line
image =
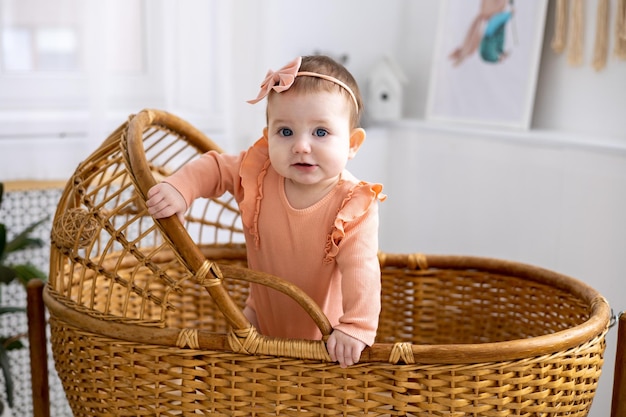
(286, 131)
(320, 132)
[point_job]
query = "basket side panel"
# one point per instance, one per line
(468, 306)
(104, 377)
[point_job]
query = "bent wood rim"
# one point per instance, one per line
(537, 346)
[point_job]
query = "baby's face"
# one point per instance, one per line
(309, 136)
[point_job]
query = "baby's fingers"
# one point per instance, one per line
(330, 346)
(344, 349)
(159, 212)
(154, 197)
(348, 357)
(340, 352)
(156, 205)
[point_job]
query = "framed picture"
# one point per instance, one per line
(486, 62)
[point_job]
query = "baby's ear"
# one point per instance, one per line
(356, 140)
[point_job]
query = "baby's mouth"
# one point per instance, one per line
(304, 167)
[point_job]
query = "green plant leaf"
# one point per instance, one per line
(23, 240)
(5, 310)
(7, 274)
(11, 343)
(3, 239)
(6, 372)
(26, 272)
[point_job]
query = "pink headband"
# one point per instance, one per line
(282, 79)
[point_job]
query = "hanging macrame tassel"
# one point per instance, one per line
(622, 14)
(560, 26)
(576, 35)
(601, 45)
(620, 30)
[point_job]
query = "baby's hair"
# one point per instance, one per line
(325, 65)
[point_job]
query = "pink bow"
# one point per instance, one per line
(279, 80)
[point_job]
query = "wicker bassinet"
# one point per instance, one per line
(146, 316)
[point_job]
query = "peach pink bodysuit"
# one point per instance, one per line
(329, 249)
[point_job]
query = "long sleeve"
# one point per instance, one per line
(360, 283)
(211, 175)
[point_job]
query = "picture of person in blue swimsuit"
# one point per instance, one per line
(486, 33)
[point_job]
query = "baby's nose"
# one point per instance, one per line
(301, 145)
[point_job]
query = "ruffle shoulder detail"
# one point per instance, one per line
(253, 169)
(357, 203)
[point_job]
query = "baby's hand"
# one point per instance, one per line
(344, 348)
(164, 201)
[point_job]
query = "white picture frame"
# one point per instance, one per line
(486, 62)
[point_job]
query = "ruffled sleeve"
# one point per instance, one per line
(253, 170)
(356, 204)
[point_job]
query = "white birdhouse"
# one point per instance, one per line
(384, 91)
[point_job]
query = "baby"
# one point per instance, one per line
(306, 219)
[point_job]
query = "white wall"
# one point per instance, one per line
(268, 34)
(580, 99)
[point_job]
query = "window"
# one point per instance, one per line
(27, 49)
(71, 71)
(64, 54)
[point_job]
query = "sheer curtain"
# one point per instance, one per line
(71, 71)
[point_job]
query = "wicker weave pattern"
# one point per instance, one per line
(150, 379)
(446, 306)
(146, 317)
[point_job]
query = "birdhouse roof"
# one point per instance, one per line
(387, 67)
